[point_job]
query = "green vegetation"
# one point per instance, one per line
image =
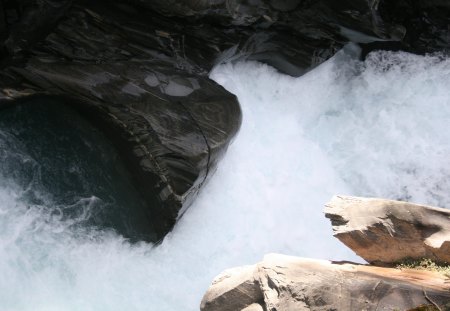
(425, 308)
(429, 308)
(425, 264)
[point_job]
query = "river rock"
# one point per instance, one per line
(292, 283)
(416, 25)
(293, 36)
(138, 69)
(384, 231)
(237, 288)
(170, 123)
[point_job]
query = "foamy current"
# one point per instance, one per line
(375, 128)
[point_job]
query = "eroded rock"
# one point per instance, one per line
(293, 36)
(236, 288)
(170, 123)
(385, 231)
(291, 283)
(138, 69)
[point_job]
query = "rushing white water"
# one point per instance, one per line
(378, 128)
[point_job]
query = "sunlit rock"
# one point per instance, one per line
(385, 232)
(236, 288)
(254, 307)
(292, 283)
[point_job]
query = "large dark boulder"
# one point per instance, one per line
(170, 122)
(138, 69)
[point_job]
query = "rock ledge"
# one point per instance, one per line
(282, 283)
(384, 231)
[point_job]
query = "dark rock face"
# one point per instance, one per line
(31, 20)
(418, 26)
(169, 121)
(291, 35)
(138, 69)
(426, 23)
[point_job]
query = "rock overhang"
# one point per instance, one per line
(386, 232)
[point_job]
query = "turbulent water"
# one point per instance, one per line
(374, 128)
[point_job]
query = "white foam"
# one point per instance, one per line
(377, 128)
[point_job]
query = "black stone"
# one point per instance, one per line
(138, 69)
(170, 123)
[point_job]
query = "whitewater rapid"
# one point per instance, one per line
(375, 128)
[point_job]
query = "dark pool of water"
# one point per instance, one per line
(63, 163)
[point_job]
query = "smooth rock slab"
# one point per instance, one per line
(385, 232)
(291, 283)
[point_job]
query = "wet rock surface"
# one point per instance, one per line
(291, 283)
(293, 36)
(170, 123)
(384, 231)
(138, 69)
(417, 26)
